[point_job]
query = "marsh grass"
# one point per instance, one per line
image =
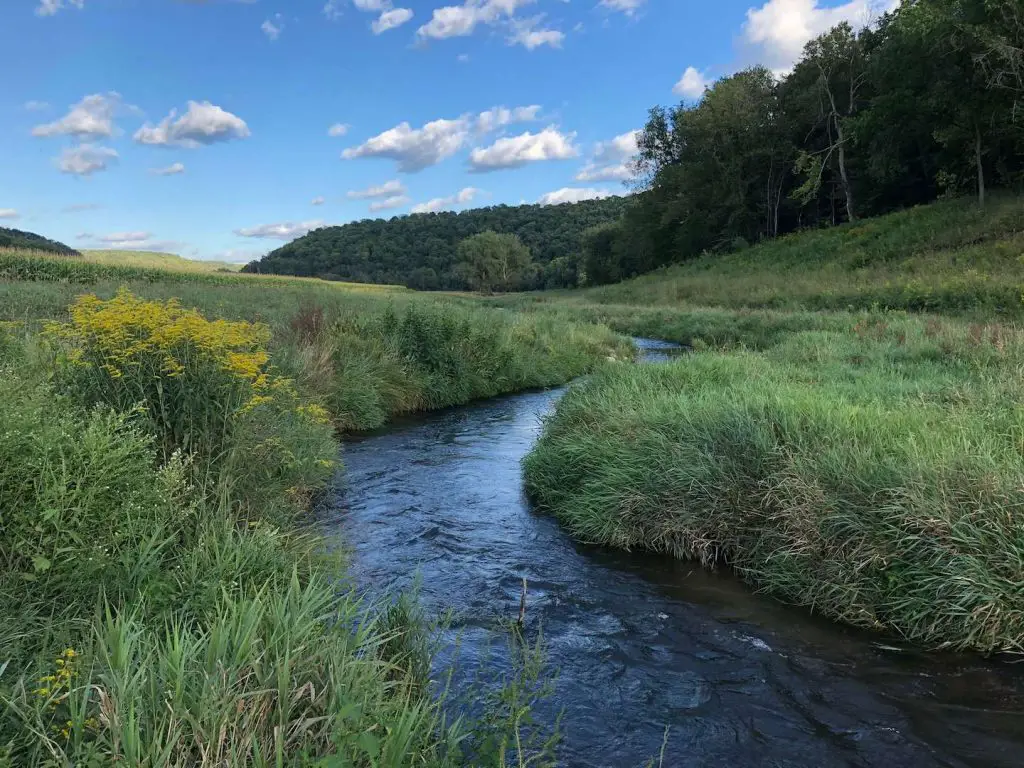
(873, 474)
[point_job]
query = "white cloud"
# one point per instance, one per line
(123, 238)
(92, 117)
(498, 117)
(574, 195)
(389, 202)
(171, 170)
(628, 7)
(50, 7)
(318, 200)
(691, 85)
(526, 32)
(372, 6)
(35, 106)
(78, 207)
(387, 189)
(463, 197)
(610, 161)
(86, 159)
(778, 30)
(9, 213)
(332, 10)
(462, 58)
(203, 123)
(391, 20)
(285, 230)
(273, 29)
(516, 151)
(462, 20)
(415, 149)
(338, 129)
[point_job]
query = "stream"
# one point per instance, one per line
(641, 642)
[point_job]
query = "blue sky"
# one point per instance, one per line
(204, 128)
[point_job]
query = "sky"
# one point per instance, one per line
(219, 129)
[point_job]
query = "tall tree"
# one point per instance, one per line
(494, 262)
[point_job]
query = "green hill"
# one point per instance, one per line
(418, 251)
(16, 238)
(950, 256)
(159, 260)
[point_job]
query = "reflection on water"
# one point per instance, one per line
(642, 642)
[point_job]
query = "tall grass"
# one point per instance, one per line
(873, 474)
(161, 601)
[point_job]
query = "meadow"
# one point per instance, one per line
(863, 460)
(164, 598)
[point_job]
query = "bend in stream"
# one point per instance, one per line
(643, 642)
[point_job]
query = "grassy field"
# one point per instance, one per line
(159, 260)
(863, 461)
(162, 600)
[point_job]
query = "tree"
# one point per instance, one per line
(494, 262)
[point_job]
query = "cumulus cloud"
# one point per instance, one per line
(517, 151)
(171, 170)
(392, 19)
(414, 149)
(387, 189)
(9, 213)
(36, 106)
(628, 7)
(273, 29)
(610, 161)
(574, 195)
(79, 207)
(691, 85)
(498, 117)
(86, 159)
(462, 20)
(529, 33)
(92, 117)
(396, 201)
(317, 201)
(132, 241)
(123, 238)
(463, 197)
(202, 124)
(285, 230)
(338, 129)
(777, 31)
(50, 7)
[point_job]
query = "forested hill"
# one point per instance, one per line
(15, 238)
(420, 250)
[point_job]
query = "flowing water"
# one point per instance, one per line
(641, 642)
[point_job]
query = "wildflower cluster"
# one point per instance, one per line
(127, 332)
(56, 687)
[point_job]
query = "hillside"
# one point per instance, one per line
(16, 238)
(419, 250)
(158, 260)
(949, 256)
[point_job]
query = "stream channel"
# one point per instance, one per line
(642, 642)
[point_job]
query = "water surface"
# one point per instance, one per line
(643, 642)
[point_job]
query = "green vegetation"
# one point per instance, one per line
(15, 238)
(493, 262)
(158, 260)
(419, 251)
(922, 105)
(837, 451)
(163, 598)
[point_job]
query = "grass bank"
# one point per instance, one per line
(837, 450)
(872, 474)
(163, 601)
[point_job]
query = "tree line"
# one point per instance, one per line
(16, 238)
(925, 103)
(422, 251)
